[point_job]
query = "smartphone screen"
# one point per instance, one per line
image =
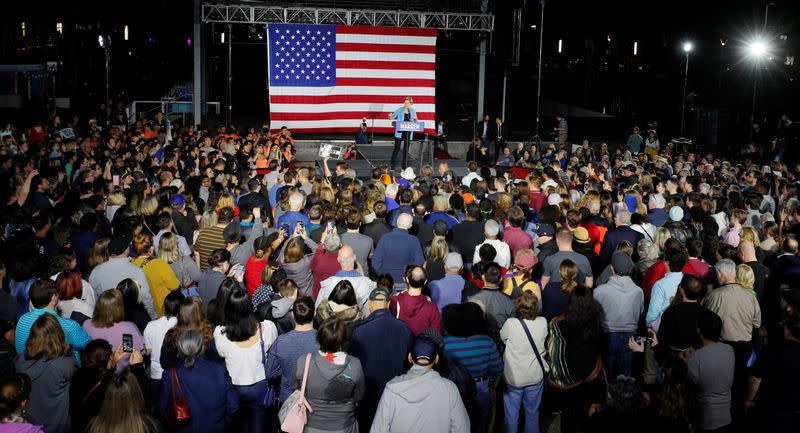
(285, 229)
(115, 180)
(127, 343)
(331, 226)
(239, 271)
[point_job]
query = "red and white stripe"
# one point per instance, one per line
(376, 67)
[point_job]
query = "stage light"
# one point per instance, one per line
(23, 28)
(222, 37)
(189, 42)
(60, 28)
(125, 32)
(687, 47)
(757, 49)
(560, 45)
(635, 48)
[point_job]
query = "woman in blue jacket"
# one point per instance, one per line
(206, 385)
(406, 113)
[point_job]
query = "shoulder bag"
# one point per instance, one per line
(178, 410)
(271, 394)
(293, 415)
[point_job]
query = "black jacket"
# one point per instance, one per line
(376, 229)
(678, 230)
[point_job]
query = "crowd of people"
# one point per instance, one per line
(160, 278)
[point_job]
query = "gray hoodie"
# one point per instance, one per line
(49, 401)
(300, 271)
(420, 401)
(333, 391)
(622, 302)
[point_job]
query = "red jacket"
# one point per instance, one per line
(252, 274)
(323, 265)
(417, 312)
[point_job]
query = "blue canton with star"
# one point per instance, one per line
(302, 55)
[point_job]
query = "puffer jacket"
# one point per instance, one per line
(679, 231)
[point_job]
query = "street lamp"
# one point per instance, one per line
(687, 48)
(757, 50)
(539, 75)
(105, 43)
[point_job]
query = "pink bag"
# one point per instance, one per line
(293, 411)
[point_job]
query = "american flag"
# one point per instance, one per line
(326, 78)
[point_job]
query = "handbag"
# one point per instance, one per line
(293, 415)
(178, 410)
(271, 394)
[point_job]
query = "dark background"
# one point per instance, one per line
(591, 72)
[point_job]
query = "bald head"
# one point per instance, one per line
(404, 221)
(747, 252)
(416, 278)
(346, 258)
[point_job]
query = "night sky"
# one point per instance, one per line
(590, 72)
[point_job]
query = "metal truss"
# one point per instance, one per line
(241, 14)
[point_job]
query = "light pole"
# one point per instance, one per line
(539, 75)
(757, 50)
(105, 43)
(687, 48)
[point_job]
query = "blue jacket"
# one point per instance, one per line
(441, 216)
(613, 238)
(395, 251)
(398, 116)
(403, 208)
(381, 343)
(291, 218)
(657, 217)
(209, 393)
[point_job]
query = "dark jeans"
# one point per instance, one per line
(396, 150)
(618, 357)
(441, 142)
(498, 149)
(742, 350)
(252, 415)
(155, 393)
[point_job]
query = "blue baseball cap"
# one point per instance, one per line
(424, 351)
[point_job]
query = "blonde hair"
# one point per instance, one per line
(149, 206)
(209, 219)
(225, 200)
(662, 235)
(116, 198)
(439, 249)
(749, 234)
(745, 277)
(168, 248)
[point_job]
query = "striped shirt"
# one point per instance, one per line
(478, 354)
(77, 338)
(208, 240)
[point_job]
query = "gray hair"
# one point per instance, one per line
(296, 200)
(404, 221)
(726, 267)
(647, 250)
(624, 217)
(491, 228)
(332, 242)
(350, 173)
(190, 346)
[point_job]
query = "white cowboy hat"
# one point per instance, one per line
(408, 174)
